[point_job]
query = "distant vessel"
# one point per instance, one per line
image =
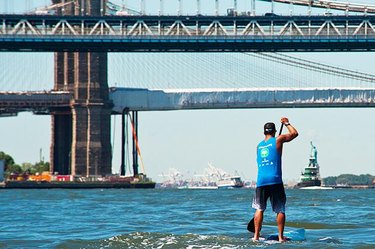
(310, 177)
(199, 187)
(316, 187)
(47, 181)
(75, 185)
(230, 182)
(212, 178)
(222, 179)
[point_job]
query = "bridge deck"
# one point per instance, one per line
(13, 102)
(160, 100)
(139, 99)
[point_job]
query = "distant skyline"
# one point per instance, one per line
(188, 140)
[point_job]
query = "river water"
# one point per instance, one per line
(172, 218)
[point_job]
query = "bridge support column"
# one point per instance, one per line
(61, 140)
(61, 121)
(86, 141)
(79, 141)
(98, 137)
(81, 136)
(61, 143)
(91, 148)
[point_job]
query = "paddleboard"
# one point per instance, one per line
(293, 235)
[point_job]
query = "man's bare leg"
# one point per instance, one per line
(280, 218)
(258, 220)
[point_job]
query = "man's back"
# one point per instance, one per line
(269, 163)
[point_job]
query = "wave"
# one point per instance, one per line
(159, 240)
(145, 240)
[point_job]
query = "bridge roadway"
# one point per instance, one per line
(138, 99)
(41, 102)
(186, 33)
(161, 100)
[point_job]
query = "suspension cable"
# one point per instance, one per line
(315, 66)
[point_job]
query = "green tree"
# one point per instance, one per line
(15, 169)
(12, 168)
(349, 179)
(8, 159)
(41, 166)
(38, 167)
(27, 168)
(331, 180)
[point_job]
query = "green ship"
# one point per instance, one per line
(310, 177)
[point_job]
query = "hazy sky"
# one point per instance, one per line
(188, 140)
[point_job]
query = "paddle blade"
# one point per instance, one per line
(251, 226)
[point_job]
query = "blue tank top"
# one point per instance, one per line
(269, 163)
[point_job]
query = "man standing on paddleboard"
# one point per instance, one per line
(269, 182)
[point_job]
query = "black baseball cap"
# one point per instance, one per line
(269, 128)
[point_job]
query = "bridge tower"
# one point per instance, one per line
(81, 136)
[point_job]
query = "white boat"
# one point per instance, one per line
(223, 179)
(202, 187)
(230, 182)
(316, 187)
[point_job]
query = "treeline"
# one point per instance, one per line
(26, 168)
(349, 179)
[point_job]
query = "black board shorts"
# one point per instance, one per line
(275, 192)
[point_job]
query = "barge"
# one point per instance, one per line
(70, 182)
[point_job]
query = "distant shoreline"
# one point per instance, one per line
(351, 186)
(337, 187)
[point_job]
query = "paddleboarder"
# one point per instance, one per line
(269, 182)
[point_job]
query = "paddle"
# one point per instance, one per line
(250, 225)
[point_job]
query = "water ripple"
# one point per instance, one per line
(115, 218)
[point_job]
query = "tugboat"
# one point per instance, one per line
(310, 177)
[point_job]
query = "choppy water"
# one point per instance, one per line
(171, 218)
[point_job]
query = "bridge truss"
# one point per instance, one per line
(187, 33)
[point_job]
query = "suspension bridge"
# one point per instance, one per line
(82, 32)
(73, 30)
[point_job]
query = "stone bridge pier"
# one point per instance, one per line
(81, 136)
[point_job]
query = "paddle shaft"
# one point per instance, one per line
(281, 128)
(251, 225)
